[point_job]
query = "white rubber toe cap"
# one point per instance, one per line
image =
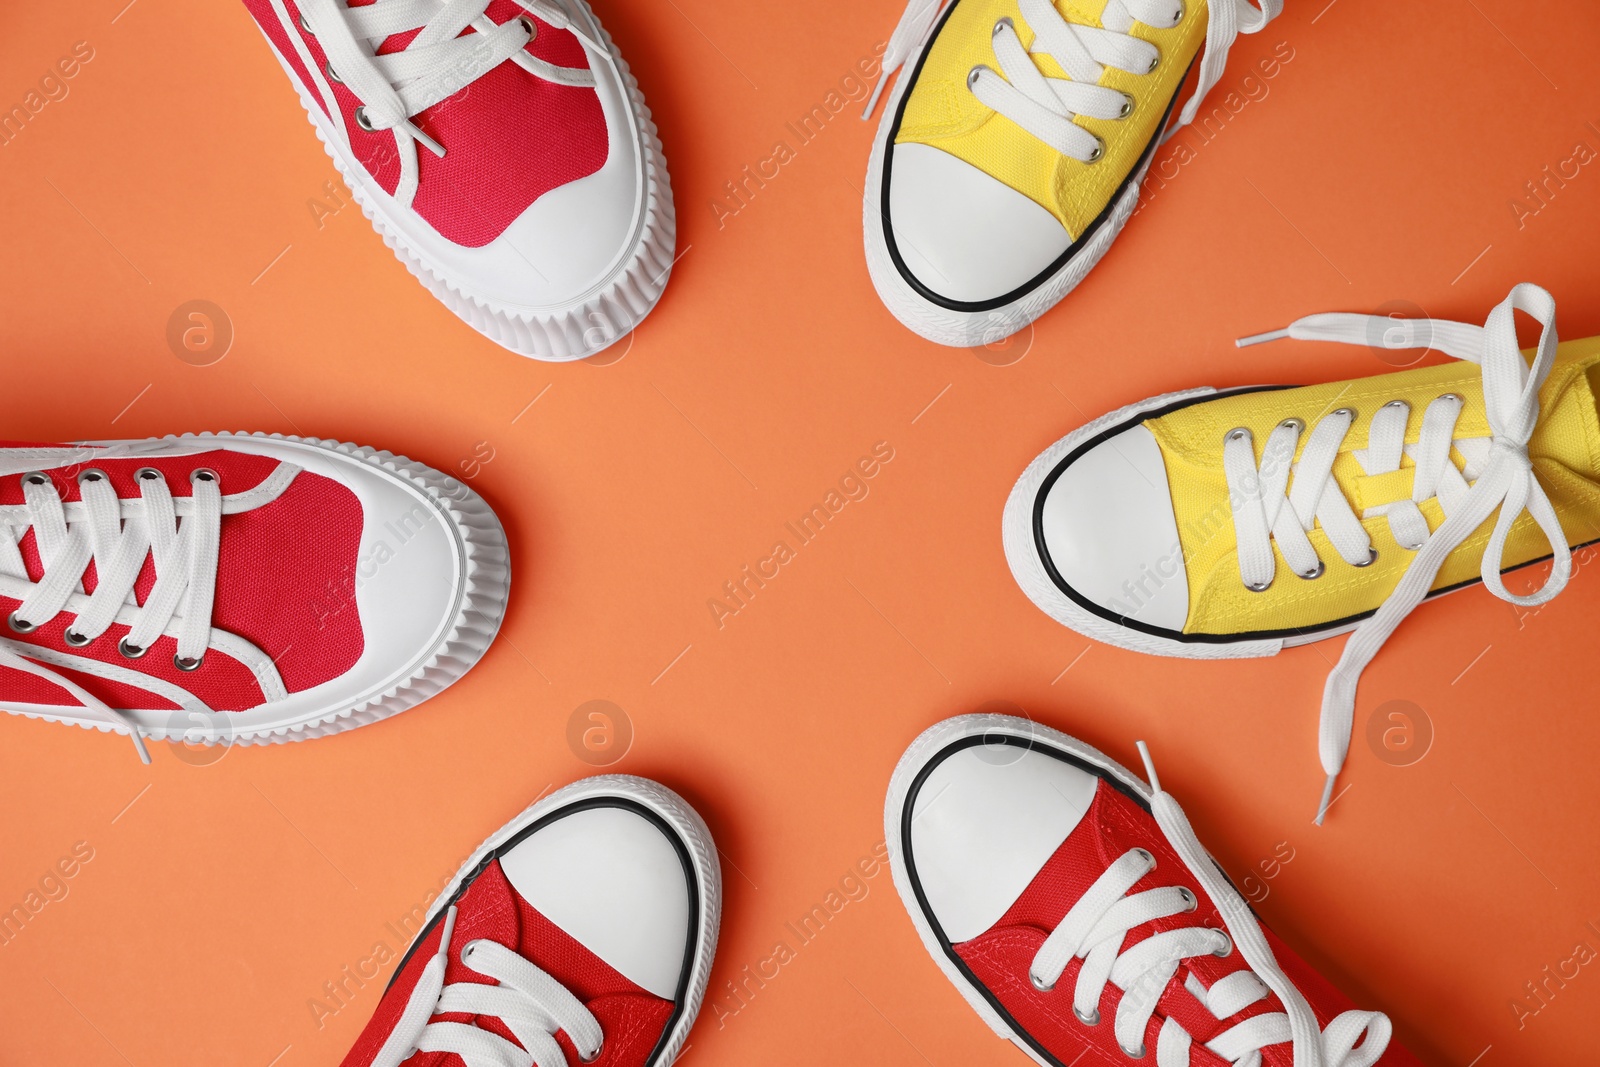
(1110, 532)
(985, 822)
(611, 879)
(961, 233)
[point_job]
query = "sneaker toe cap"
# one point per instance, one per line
(985, 821)
(962, 234)
(1110, 533)
(615, 882)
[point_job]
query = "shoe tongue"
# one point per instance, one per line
(1082, 12)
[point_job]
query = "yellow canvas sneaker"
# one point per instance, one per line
(1228, 524)
(1010, 156)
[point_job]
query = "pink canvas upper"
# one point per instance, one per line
(631, 1019)
(511, 136)
(1000, 956)
(284, 582)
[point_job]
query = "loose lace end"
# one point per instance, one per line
(1261, 338)
(1327, 799)
(1149, 766)
(877, 91)
(138, 743)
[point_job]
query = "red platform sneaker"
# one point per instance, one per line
(581, 932)
(503, 151)
(1075, 910)
(225, 588)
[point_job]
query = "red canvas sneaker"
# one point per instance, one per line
(1075, 910)
(225, 588)
(581, 932)
(503, 151)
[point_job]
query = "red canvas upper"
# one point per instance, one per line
(511, 136)
(284, 582)
(631, 1019)
(1001, 955)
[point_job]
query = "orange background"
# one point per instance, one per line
(1380, 166)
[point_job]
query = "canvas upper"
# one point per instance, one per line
(1014, 844)
(1226, 525)
(503, 151)
(580, 933)
(511, 136)
(247, 588)
(1011, 152)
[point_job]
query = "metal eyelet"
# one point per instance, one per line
(304, 25)
(1099, 152)
(528, 24)
(147, 474)
(1148, 856)
(1238, 433)
(73, 638)
(1457, 397)
(1128, 104)
(35, 478)
(1259, 587)
(130, 651)
(595, 1054)
(1002, 24)
(1154, 63)
(187, 665)
(1295, 424)
(1344, 411)
(1042, 987)
(363, 121)
(1318, 572)
(1372, 557)
(1092, 1019)
(202, 474)
(1191, 902)
(91, 474)
(972, 75)
(1227, 946)
(1399, 403)
(332, 74)
(19, 626)
(1177, 16)
(1133, 1053)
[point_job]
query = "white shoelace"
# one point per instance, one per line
(180, 536)
(1498, 468)
(438, 63)
(1046, 107)
(1095, 928)
(531, 1003)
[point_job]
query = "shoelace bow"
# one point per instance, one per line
(179, 535)
(1045, 106)
(438, 63)
(1095, 928)
(1500, 472)
(531, 1003)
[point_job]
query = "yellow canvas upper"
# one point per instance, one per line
(942, 112)
(1564, 449)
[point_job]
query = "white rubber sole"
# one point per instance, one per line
(479, 609)
(971, 329)
(590, 324)
(696, 836)
(932, 741)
